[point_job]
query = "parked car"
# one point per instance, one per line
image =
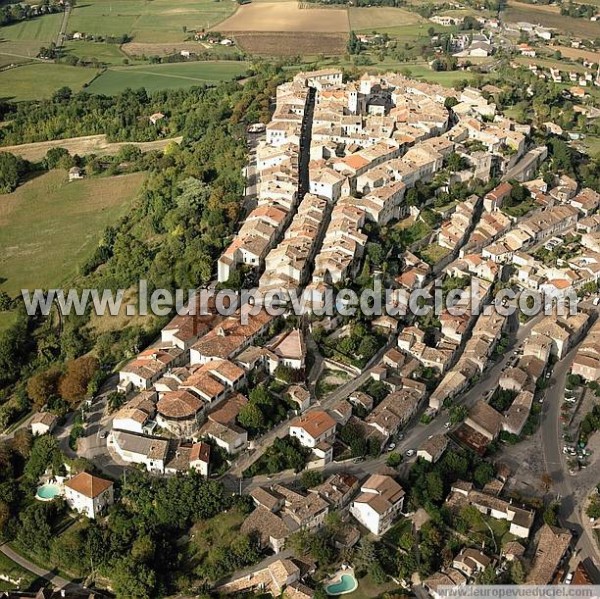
(391, 447)
(410, 453)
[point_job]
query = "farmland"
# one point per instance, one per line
(292, 44)
(165, 76)
(22, 41)
(368, 19)
(82, 146)
(41, 80)
(285, 17)
(49, 225)
(87, 51)
(549, 16)
(41, 29)
(148, 20)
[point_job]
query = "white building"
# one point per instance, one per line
(313, 427)
(380, 501)
(88, 494)
(43, 423)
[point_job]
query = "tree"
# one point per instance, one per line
(74, 384)
(12, 169)
(251, 417)
(42, 386)
(58, 158)
(458, 414)
(517, 572)
(353, 46)
(483, 473)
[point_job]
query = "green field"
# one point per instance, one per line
(148, 20)
(107, 53)
(48, 226)
(41, 80)
(42, 29)
(368, 19)
(165, 76)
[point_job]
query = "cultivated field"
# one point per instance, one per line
(48, 226)
(165, 49)
(106, 53)
(149, 20)
(368, 19)
(549, 16)
(550, 63)
(292, 44)
(166, 76)
(285, 17)
(90, 144)
(577, 53)
(41, 29)
(41, 80)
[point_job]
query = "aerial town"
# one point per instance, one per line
(416, 412)
(354, 432)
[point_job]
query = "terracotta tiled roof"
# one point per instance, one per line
(89, 485)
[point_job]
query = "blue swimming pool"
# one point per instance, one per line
(48, 492)
(346, 584)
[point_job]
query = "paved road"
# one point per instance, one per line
(572, 494)
(54, 579)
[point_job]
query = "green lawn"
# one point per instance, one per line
(48, 226)
(107, 53)
(41, 80)
(165, 76)
(148, 20)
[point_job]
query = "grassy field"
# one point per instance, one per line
(149, 20)
(107, 53)
(549, 16)
(165, 76)
(368, 19)
(43, 29)
(49, 226)
(41, 80)
(550, 63)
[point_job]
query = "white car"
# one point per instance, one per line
(391, 447)
(410, 453)
(569, 578)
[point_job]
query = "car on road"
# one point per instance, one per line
(104, 434)
(359, 459)
(448, 424)
(410, 453)
(391, 447)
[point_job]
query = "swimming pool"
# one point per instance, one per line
(346, 584)
(48, 492)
